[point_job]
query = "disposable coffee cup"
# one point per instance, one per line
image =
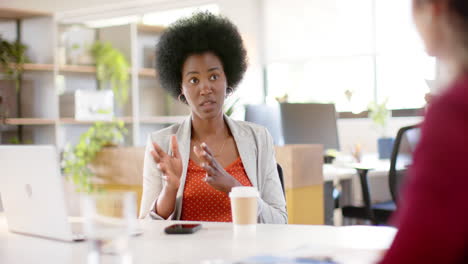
(244, 207)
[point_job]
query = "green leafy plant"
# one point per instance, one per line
(12, 59)
(112, 69)
(229, 107)
(75, 46)
(15, 140)
(76, 158)
(379, 114)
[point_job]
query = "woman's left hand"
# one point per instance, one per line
(216, 176)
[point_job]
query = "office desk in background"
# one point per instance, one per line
(346, 174)
(344, 177)
(215, 241)
(347, 170)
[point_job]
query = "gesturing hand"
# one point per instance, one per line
(216, 176)
(170, 166)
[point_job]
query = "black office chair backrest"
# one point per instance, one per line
(280, 174)
(402, 156)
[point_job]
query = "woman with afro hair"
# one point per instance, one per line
(190, 168)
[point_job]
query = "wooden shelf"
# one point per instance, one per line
(62, 68)
(44, 129)
(144, 72)
(34, 67)
(73, 121)
(29, 121)
(162, 119)
(77, 68)
(13, 13)
(150, 28)
(38, 67)
(147, 72)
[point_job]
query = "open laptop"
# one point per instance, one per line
(33, 193)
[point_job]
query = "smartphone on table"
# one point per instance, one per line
(182, 228)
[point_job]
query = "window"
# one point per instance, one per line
(325, 80)
(346, 52)
(402, 64)
(164, 18)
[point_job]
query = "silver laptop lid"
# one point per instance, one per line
(32, 191)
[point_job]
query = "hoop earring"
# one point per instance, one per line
(181, 98)
(229, 91)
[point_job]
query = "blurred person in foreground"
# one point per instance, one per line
(432, 217)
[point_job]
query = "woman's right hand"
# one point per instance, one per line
(170, 166)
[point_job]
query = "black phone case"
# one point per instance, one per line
(180, 230)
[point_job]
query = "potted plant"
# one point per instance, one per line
(12, 60)
(74, 53)
(380, 114)
(230, 106)
(76, 159)
(112, 69)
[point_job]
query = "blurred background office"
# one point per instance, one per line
(349, 53)
(341, 53)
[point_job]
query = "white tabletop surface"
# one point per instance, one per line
(214, 243)
(346, 168)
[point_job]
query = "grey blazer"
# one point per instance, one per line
(255, 146)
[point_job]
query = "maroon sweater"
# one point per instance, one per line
(433, 218)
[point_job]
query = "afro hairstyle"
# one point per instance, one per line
(202, 32)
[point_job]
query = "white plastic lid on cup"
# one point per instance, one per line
(243, 191)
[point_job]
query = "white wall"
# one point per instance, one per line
(61, 5)
(246, 14)
(8, 30)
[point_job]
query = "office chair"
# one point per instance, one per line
(380, 213)
(376, 213)
(280, 174)
(405, 143)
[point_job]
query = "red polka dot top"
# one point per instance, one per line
(201, 202)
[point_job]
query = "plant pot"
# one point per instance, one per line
(94, 105)
(327, 159)
(85, 59)
(385, 147)
(108, 171)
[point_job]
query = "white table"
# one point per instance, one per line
(216, 241)
(337, 174)
(346, 169)
(343, 175)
